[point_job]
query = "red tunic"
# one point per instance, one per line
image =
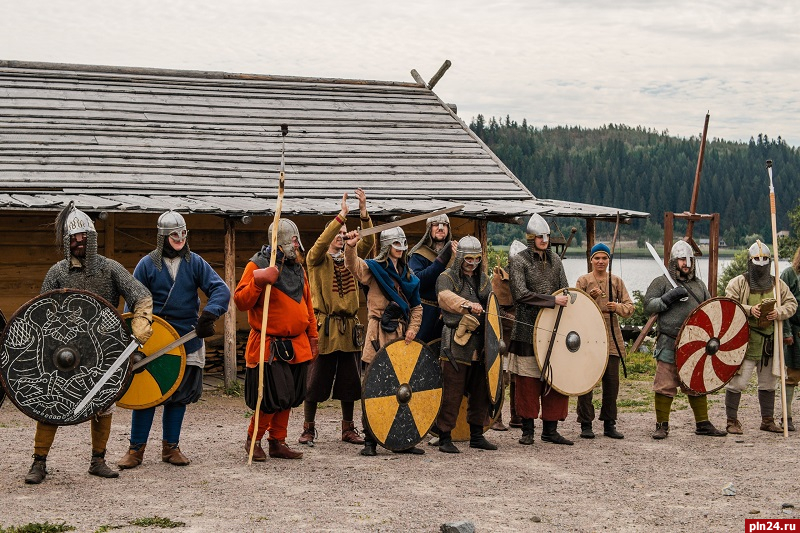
(287, 318)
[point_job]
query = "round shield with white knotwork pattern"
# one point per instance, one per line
(711, 345)
(402, 393)
(53, 351)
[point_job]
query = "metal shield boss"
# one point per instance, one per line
(402, 393)
(579, 346)
(494, 349)
(156, 381)
(711, 345)
(55, 348)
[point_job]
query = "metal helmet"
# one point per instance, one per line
(170, 222)
(391, 238)
(286, 231)
(78, 222)
(427, 238)
(759, 253)
(468, 246)
(515, 248)
(436, 220)
(537, 226)
(682, 250)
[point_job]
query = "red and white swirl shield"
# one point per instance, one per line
(711, 345)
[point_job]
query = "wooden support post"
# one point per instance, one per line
(590, 237)
(230, 317)
(713, 254)
(109, 244)
(481, 231)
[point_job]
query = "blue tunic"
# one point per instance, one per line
(177, 301)
(428, 272)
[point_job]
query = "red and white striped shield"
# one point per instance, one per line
(711, 345)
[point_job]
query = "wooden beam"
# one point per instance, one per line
(590, 237)
(230, 316)
(109, 244)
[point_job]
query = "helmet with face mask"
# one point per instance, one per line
(681, 250)
(469, 251)
(170, 224)
(392, 238)
(287, 231)
(537, 227)
(431, 224)
(72, 221)
(758, 274)
(515, 248)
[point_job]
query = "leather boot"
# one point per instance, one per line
(38, 470)
(527, 431)
(171, 453)
(370, 448)
(768, 424)
(279, 450)
(610, 430)
(662, 430)
(733, 426)
(586, 430)
(133, 457)
(350, 433)
(789, 425)
(550, 433)
(498, 424)
(706, 428)
(477, 440)
(309, 434)
(98, 466)
(258, 452)
(446, 443)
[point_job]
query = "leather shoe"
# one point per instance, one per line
(610, 430)
(132, 458)
(259, 455)
(279, 450)
(586, 430)
(526, 439)
(411, 451)
(706, 428)
(662, 430)
(734, 427)
(171, 453)
(481, 443)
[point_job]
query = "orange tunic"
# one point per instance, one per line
(287, 318)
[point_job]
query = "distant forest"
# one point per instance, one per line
(645, 170)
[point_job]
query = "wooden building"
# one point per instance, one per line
(127, 144)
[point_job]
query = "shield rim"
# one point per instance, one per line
(126, 365)
(182, 353)
(493, 311)
(363, 398)
(680, 334)
(605, 338)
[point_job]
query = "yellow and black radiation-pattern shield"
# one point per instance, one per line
(402, 393)
(157, 380)
(493, 348)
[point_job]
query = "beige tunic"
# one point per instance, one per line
(625, 306)
(376, 303)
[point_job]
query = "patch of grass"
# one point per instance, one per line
(106, 528)
(235, 389)
(640, 365)
(156, 521)
(37, 527)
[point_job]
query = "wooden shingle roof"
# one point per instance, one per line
(146, 140)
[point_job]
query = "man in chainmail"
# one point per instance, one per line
(84, 269)
(673, 306)
(535, 274)
(462, 292)
(427, 259)
(791, 337)
(334, 292)
(752, 290)
(174, 274)
(291, 338)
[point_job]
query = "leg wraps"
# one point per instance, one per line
(789, 398)
(663, 407)
(101, 429)
(766, 399)
(310, 410)
(699, 405)
(45, 435)
(732, 400)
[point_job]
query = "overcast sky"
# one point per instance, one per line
(651, 63)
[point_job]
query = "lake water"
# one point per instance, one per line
(638, 272)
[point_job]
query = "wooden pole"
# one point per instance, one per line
(273, 257)
(229, 357)
(778, 334)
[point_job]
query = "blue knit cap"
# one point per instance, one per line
(600, 247)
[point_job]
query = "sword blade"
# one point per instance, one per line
(168, 348)
(105, 377)
(409, 220)
(660, 264)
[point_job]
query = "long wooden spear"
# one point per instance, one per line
(613, 314)
(778, 334)
(273, 258)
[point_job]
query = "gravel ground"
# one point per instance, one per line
(635, 484)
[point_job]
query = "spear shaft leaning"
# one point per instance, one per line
(613, 314)
(778, 334)
(273, 258)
